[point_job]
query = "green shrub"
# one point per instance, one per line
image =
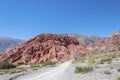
(35, 68)
(1, 73)
(6, 65)
(101, 62)
(15, 70)
(42, 65)
(77, 60)
(49, 63)
(105, 59)
(83, 69)
(118, 78)
(118, 69)
(91, 60)
(96, 66)
(107, 72)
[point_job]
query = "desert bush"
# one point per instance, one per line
(107, 72)
(91, 60)
(15, 70)
(77, 60)
(1, 73)
(48, 64)
(118, 69)
(83, 69)
(6, 65)
(105, 59)
(35, 68)
(118, 78)
(42, 65)
(96, 66)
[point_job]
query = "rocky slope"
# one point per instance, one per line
(8, 43)
(43, 48)
(85, 40)
(109, 44)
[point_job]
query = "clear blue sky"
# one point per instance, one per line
(24, 19)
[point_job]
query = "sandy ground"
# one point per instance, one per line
(65, 71)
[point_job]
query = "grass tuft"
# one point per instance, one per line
(83, 69)
(107, 72)
(118, 78)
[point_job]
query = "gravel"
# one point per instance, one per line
(65, 71)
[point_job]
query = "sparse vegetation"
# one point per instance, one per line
(77, 60)
(107, 72)
(14, 70)
(91, 60)
(118, 69)
(118, 78)
(49, 64)
(83, 69)
(97, 58)
(42, 65)
(105, 59)
(35, 68)
(96, 66)
(6, 65)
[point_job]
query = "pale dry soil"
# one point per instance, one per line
(65, 71)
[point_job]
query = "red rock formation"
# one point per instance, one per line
(42, 48)
(112, 43)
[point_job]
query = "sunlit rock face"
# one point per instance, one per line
(44, 48)
(112, 43)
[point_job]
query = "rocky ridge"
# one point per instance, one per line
(112, 43)
(85, 40)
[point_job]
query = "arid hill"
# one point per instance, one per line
(109, 44)
(85, 40)
(43, 48)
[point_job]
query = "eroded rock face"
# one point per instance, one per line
(110, 44)
(85, 40)
(43, 48)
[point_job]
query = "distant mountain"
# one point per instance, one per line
(112, 43)
(85, 40)
(8, 43)
(44, 48)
